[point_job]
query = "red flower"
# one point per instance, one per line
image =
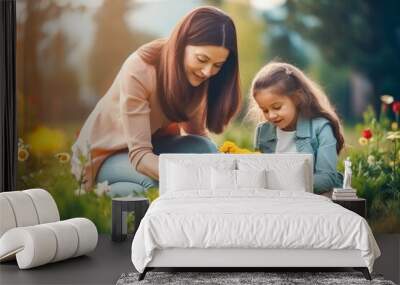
(367, 134)
(396, 107)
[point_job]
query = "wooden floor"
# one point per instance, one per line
(102, 266)
(389, 262)
(110, 260)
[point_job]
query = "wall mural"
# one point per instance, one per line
(69, 53)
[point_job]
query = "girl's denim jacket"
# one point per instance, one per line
(312, 136)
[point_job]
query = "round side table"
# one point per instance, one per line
(120, 209)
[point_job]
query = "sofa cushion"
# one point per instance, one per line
(40, 244)
(30, 230)
(251, 178)
(284, 172)
(193, 175)
(223, 179)
(231, 180)
(182, 177)
(26, 208)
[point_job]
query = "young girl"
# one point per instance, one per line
(185, 84)
(297, 118)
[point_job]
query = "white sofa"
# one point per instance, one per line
(31, 231)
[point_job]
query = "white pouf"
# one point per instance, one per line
(31, 232)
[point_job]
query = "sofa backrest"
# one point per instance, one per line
(26, 208)
(284, 168)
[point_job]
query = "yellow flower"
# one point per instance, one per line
(387, 99)
(363, 141)
(23, 154)
(243, 151)
(63, 157)
(231, 147)
(228, 147)
(393, 135)
(46, 141)
(395, 126)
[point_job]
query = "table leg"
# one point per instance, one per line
(116, 223)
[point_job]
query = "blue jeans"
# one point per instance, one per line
(124, 180)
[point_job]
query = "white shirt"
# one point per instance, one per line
(285, 141)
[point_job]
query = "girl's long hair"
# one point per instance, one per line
(309, 98)
(178, 98)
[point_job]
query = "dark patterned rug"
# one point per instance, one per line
(231, 278)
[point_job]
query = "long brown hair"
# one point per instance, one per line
(309, 98)
(178, 98)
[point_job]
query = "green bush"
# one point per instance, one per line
(376, 169)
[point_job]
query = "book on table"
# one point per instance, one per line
(344, 194)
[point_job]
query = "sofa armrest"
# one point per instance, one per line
(40, 244)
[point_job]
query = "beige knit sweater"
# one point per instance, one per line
(127, 117)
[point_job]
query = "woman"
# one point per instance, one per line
(186, 84)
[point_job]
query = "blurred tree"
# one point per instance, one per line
(113, 42)
(360, 34)
(28, 77)
(250, 35)
(62, 85)
(335, 83)
(281, 47)
(47, 86)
